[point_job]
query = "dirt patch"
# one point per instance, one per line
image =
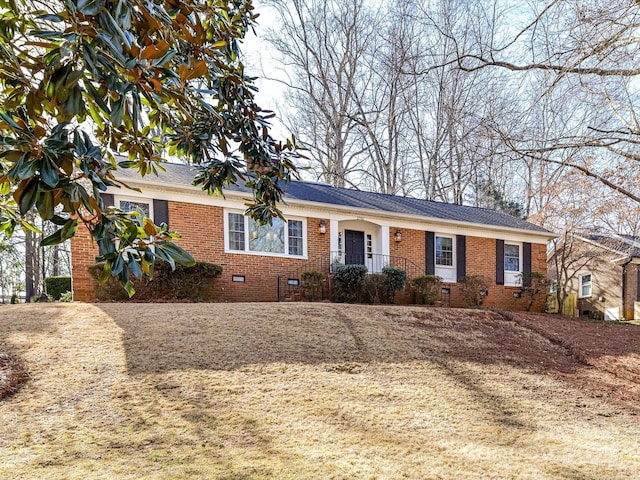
(612, 350)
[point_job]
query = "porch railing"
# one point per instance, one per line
(375, 262)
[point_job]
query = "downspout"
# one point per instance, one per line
(624, 288)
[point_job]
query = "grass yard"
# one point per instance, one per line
(316, 391)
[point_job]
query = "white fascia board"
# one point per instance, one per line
(234, 199)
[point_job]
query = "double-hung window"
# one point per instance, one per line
(444, 251)
(444, 258)
(585, 285)
(512, 264)
(235, 229)
(280, 238)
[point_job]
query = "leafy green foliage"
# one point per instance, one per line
(56, 286)
(66, 297)
(312, 282)
(191, 283)
(427, 289)
(82, 82)
(348, 282)
(395, 278)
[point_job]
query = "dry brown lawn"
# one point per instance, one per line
(314, 391)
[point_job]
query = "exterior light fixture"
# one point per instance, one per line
(323, 227)
(484, 293)
(516, 295)
(398, 236)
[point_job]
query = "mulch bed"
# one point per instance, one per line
(12, 374)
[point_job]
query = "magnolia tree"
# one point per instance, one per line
(92, 86)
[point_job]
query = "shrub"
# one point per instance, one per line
(395, 279)
(348, 283)
(111, 289)
(312, 281)
(66, 297)
(533, 283)
(473, 289)
(427, 289)
(56, 286)
(375, 288)
(183, 283)
(14, 298)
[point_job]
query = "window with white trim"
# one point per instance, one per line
(296, 237)
(445, 258)
(511, 257)
(444, 251)
(512, 264)
(585, 285)
(244, 234)
(235, 231)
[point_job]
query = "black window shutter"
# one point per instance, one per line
(499, 262)
(429, 253)
(637, 286)
(160, 212)
(526, 267)
(461, 257)
(107, 200)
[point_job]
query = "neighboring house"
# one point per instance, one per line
(598, 275)
(325, 224)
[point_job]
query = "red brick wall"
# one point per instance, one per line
(481, 261)
(83, 253)
(206, 243)
(202, 228)
(411, 247)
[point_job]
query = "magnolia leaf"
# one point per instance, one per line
(90, 7)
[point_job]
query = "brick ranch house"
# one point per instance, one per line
(326, 224)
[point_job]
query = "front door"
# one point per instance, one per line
(353, 247)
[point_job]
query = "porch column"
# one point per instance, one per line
(384, 245)
(333, 235)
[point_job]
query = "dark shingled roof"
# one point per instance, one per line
(182, 175)
(628, 245)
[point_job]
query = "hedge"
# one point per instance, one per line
(56, 286)
(184, 283)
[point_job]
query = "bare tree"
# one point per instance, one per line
(588, 52)
(322, 45)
